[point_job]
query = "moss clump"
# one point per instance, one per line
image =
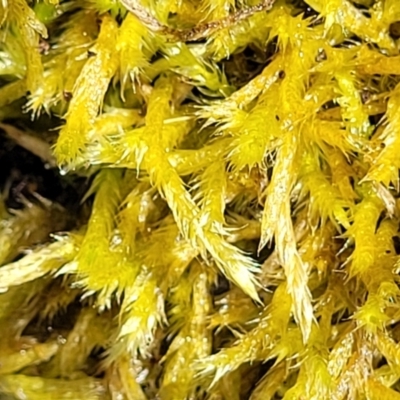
(199, 199)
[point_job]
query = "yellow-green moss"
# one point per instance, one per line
(238, 235)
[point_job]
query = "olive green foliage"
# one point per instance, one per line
(237, 168)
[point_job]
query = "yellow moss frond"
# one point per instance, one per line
(235, 265)
(325, 200)
(142, 312)
(377, 391)
(370, 62)
(106, 187)
(255, 344)
(342, 173)
(211, 197)
(331, 133)
(226, 41)
(176, 255)
(228, 258)
(187, 162)
(371, 315)
(3, 11)
(39, 262)
(115, 120)
(352, 381)
(282, 182)
(101, 264)
(12, 58)
(29, 226)
(132, 49)
(257, 135)
(64, 63)
(16, 361)
(276, 218)
(233, 309)
(192, 342)
(12, 91)
(340, 355)
(385, 167)
(123, 380)
(191, 64)
(389, 349)
(29, 29)
(103, 6)
(343, 14)
(317, 251)
(224, 112)
(217, 9)
(74, 354)
(353, 113)
(136, 208)
(276, 222)
(88, 93)
(381, 277)
(37, 388)
(270, 383)
(313, 377)
(362, 231)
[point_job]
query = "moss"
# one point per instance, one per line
(199, 199)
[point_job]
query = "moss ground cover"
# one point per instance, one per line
(199, 199)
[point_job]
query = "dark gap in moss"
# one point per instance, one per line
(321, 56)
(381, 362)
(320, 290)
(270, 162)
(302, 8)
(222, 337)
(249, 375)
(365, 95)
(242, 67)
(164, 346)
(349, 42)
(62, 322)
(256, 59)
(340, 316)
(375, 119)
(396, 386)
(396, 244)
(264, 368)
(363, 8)
(221, 287)
(394, 30)
(93, 361)
(382, 216)
(24, 173)
(119, 18)
(328, 105)
(309, 13)
(157, 383)
(271, 48)
(156, 56)
(196, 92)
(264, 254)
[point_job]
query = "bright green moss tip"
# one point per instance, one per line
(199, 200)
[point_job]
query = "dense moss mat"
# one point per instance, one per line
(199, 199)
